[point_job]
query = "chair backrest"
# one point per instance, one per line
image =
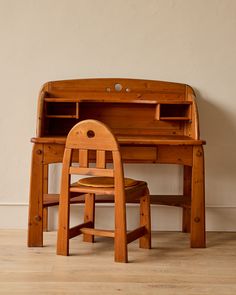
(92, 135)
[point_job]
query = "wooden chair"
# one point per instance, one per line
(92, 135)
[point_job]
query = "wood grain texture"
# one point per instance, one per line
(168, 200)
(89, 215)
(100, 98)
(198, 235)
(153, 121)
(35, 220)
(83, 137)
(145, 220)
(187, 187)
(132, 139)
(170, 267)
(45, 191)
(64, 207)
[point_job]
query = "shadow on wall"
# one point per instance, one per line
(218, 128)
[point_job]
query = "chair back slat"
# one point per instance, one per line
(101, 159)
(91, 171)
(83, 158)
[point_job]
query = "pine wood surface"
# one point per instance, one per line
(104, 181)
(157, 107)
(162, 127)
(132, 139)
(170, 267)
(94, 135)
(169, 200)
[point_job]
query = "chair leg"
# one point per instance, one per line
(121, 251)
(45, 219)
(145, 220)
(120, 240)
(89, 215)
(187, 188)
(186, 220)
(63, 227)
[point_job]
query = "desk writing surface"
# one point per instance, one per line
(132, 140)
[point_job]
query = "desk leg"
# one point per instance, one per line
(198, 236)
(186, 219)
(35, 225)
(45, 191)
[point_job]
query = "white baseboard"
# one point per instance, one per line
(163, 217)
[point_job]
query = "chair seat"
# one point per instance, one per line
(105, 182)
(138, 188)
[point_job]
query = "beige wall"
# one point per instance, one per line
(187, 41)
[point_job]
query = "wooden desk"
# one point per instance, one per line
(155, 122)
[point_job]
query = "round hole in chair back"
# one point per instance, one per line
(90, 133)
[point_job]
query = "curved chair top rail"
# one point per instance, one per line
(91, 135)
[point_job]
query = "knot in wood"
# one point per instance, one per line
(199, 153)
(197, 219)
(37, 218)
(39, 152)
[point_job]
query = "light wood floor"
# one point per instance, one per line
(171, 267)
